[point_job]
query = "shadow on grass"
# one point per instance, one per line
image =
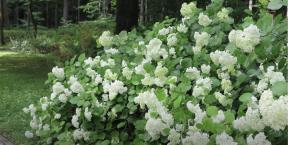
(22, 78)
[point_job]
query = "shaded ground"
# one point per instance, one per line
(22, 78)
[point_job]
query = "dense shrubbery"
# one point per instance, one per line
(65, 41)
(202, 81)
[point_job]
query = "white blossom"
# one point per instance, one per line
(58, 88)
(246, 39)
(154, 50)
(188, 10)
(204, 20)
(202, 39)
(182, 28)
(28, 134)
(114, 88)
(58, 72)
(259, 139)
(225, 139)
(87, 114)
(171, 39)
(219, 117)
(76, 87)
(224, 58)
(199, 114)
(106, 39)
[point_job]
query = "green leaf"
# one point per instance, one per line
(183, 87)
(161, 95)
(246, 97)
(121, 124)
(212, 110)
(229, 117)
(177, 102)
(275, 4)
(280, 88)
(140, 124)
(265, 23)
(149, 68)
(210, 99)
(82, 57)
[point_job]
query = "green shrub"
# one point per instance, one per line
(203, 81)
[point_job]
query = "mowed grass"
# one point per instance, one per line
(22, 78)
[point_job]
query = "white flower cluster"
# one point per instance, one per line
(203, 87)
(259, 139)
(246, 39)
(159, 79)
(58, 72)
(113, 88)
(250, 122)
(219, 117)
(174, 137)
(75, 85)
(165, 31)
(182, 28)
(192, 73)
(222, 99)
(273, 76)
(154, 126)
(111, 51)
(154, 50)
(171, 39)
(79, 134)
(199, 113)
(75, 118)
(204, 20)
(188, 10)
(274, 112)
(223, 15)
(225, 139)
(106, 39)
(224, 58)
(196, 138)
(202, 39)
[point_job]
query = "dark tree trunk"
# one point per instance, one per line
(142, 12)
(106, 7)
(47, 13)
(2, 22)
(126, 15)
(56, 15)
(31, 17)
(78, 10)
(16, 13)
(65, 10)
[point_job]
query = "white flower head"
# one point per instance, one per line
(58, 72)
(204, 20)
(106, 39)
(188, 10)
(28, 134)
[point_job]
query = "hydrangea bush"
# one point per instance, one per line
(203, 81)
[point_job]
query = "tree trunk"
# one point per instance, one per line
(34, 24)
(106, 4)
(142, 12)
(47, 13)
(146, 11)
(65, 11)
(78, 10)
(56, 15)
(126, 15)
(2, 22)
(17, 13)
(6, 13)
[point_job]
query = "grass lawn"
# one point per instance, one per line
(22, 78)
